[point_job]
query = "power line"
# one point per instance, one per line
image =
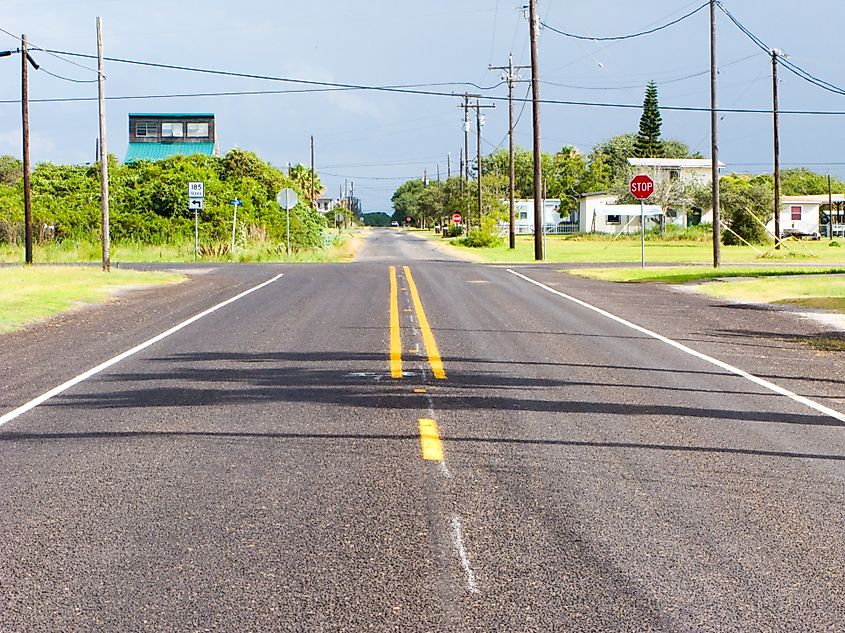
(70, 79)
(33, 47)
(795, 69)
(400, 88)
(616, 38)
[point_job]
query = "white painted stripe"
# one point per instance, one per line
(713, 361)
(11, 415)
(458, 538)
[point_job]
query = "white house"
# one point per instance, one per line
(524, 215)
(689, 171)
(799, 215)
(599, 213)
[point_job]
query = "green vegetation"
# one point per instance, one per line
(686, 274)
(597, 249)
(31, 293)
(150, 215)
(648, 139)
(824, 291)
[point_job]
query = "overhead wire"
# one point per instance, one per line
(628, 36)
(786, 63)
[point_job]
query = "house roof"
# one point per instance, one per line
(668, 163)
(171, 115)
(813, 198)
(592, 194)
(160, 151)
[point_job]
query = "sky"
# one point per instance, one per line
(378, 139)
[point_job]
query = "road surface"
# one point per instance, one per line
(415, 443)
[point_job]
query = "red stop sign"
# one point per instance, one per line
(456, 218)
(642, 186)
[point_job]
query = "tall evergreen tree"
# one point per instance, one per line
(648, 144)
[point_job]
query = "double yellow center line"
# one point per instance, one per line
(431, 349)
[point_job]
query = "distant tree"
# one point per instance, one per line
(745, 204)
(614, 153)
(11, 170)
(648, 142)
(378, 218)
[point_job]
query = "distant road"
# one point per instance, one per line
(414, 443)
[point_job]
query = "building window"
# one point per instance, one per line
(674, 174)
(172, 130)
(197, 130)
(614, 219)
(146, 129)
(796, 213)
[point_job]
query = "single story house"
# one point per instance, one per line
(524, 216)
(811, 215)
(598, 213)
(689, 171)
(156, 136)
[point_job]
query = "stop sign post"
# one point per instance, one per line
(642, 187)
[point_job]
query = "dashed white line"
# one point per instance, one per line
(11, 415)
(688, 350)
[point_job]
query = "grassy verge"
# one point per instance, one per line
(71, 252)
(816, 287)
(686, 274)
(28, 294)
(600, 249)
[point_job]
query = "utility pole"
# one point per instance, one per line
(535, 102)
(478, 123)
(27, 185)
(448, 165)
(438, 172)
(511, 77)
(104, 156)
(313, 201)
(714, 141)
(775, 120)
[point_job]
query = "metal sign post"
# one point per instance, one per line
(196, 195)
(235, 203)
(641, 187)
(287, 199)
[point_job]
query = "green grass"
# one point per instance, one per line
(600, 249)
(72, 252)
(28, 294)
(815, 291)
(686, 274)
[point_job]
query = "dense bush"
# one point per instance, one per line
(149, 205)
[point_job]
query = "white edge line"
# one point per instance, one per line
(472, 587)
(11, 415)
(714, 361)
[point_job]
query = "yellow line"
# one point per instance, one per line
(428, 337)
(432, 447)
(395, 338)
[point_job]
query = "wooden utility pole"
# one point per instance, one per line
(535, 101)
(27, 184)
(775, 53)
(714, 141)
(478, 124)
(511, 77)
(313, 201)
(448, 165)
(104, 156)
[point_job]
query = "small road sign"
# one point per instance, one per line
(287, 199)
(408, 219)
(456, 218)
(195, 204)
(196, 190)
(642, 186)
(237, 202)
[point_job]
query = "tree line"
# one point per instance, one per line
(148, 201)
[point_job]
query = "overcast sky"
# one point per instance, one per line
(377, 139)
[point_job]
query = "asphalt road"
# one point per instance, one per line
(414, 443)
